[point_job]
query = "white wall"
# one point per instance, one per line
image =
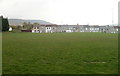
(10, 29)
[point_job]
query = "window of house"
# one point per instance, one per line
(117, 29)
(97, 28)
(93, 28)
(90, 28)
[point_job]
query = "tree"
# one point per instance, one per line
(5, 24)
(19, 27)
(36, 23)
(27, 26)
(24, 25)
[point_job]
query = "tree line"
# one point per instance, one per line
(25, 26)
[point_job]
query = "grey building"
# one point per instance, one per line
(74, 28)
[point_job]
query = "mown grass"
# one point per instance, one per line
(60, 53)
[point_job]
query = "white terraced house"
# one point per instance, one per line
(74, 28)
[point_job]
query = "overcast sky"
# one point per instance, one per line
(62, 11)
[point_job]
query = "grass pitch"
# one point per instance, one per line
(60, 53)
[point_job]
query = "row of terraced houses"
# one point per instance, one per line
(74, 28)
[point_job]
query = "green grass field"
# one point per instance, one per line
(60, 53)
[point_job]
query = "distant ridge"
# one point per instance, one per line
(21, 21)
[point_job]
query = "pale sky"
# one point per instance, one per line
(62, 11)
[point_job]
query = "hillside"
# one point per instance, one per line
(21, 21)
